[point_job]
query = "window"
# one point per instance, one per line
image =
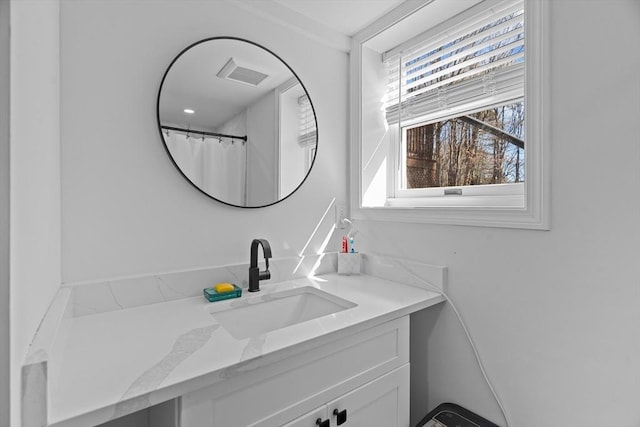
(475, 77)
(297, 136)
(307, 134)
(307, 128)
(475, 149)
(448, 124)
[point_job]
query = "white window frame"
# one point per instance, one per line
(528, 204)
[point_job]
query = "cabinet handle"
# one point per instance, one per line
(321, 423)
(341, 416)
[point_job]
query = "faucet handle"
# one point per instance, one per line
(266, 274)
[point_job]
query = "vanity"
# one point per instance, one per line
(337, 354)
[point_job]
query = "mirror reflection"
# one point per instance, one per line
(237, 122)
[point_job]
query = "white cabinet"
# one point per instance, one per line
(366, 373)
(381, 402)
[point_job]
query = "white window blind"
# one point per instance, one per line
(307, 126)
(477, 62)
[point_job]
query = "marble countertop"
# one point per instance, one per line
(114, 363)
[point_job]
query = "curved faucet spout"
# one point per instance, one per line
(255, 275)
(266, 249)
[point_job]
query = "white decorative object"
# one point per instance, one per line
(349, 263)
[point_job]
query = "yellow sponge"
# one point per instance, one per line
(224, 287)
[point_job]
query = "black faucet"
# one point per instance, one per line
(255, 275)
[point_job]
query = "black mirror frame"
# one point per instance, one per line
(169, 152)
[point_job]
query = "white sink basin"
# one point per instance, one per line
(255, 315)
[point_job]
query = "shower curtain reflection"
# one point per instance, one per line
(216, 166)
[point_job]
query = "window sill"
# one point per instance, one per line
(450, 214)
(486, 202)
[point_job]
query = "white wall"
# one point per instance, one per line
(555, 314)
(125, 210)
(34, 174)
(237, 125)
(261, 151)
(5, 366)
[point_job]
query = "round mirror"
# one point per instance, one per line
(237, 122)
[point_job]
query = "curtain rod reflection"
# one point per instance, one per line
(200, 132)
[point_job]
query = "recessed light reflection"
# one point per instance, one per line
(189, 111)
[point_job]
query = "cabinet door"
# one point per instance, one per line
(382, 402)
(310, 419)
